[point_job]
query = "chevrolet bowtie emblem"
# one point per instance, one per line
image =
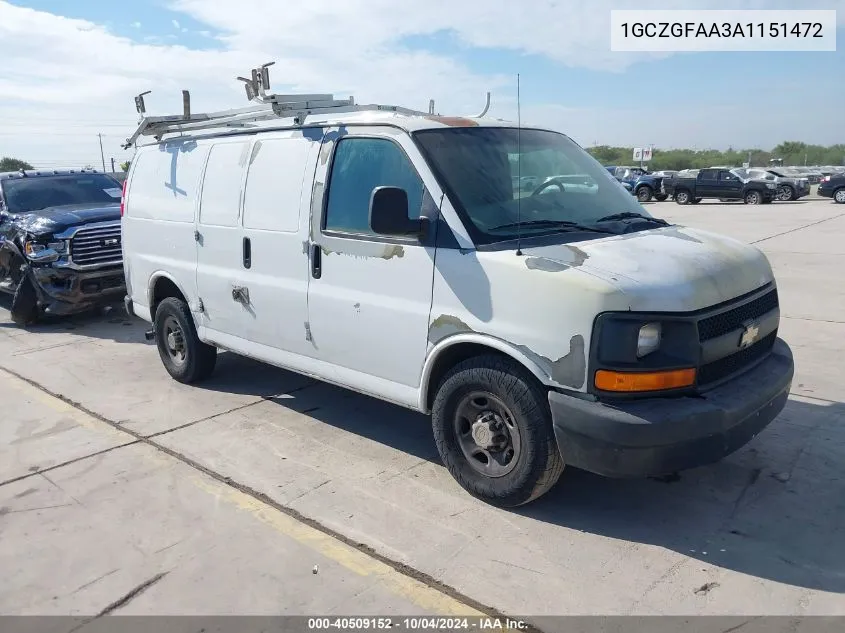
(749, 336)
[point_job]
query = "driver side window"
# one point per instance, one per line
(359, 166)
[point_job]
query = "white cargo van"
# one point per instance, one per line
(402, 255)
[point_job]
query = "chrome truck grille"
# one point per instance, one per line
(96, 246)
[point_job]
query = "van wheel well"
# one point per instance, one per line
(163, 289)
(450, 357)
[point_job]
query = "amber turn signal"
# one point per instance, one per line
(644, 381)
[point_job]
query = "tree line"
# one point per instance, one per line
(791, 152)
(15, 164)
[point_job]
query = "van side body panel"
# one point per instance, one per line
(158, 223)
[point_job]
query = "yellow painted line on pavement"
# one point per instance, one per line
(354, 560)
(417, 592)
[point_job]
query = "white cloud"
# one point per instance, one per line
(136, 25)
(56, 66)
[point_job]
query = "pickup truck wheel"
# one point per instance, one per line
(839, 195)
(25, 310)
(493, 430)
(661, 197)
(786, 193)
(185, 357)
(682, 197)
(753, 197)
(644, 193)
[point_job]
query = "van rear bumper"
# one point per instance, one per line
(658, 436)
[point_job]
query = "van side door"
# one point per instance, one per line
(369, 296)
(219, 274)
(274, 264)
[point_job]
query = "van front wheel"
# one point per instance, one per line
(493, 430)
(185, 357)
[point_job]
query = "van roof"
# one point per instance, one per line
(406, 122)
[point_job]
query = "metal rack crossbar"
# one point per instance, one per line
(270, 106)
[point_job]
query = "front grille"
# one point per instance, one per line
(718, 369)
(96, 246)
(732, 319)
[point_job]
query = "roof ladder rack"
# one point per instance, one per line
(268, 106)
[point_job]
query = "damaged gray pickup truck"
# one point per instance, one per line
(60, 248)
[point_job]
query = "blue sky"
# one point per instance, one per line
(96, 55)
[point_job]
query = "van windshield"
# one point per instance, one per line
(23, 195)
(501, 178)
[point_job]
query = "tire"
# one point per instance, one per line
(25, 310)
(839, 195)
(661, 197)
(753, 197)
(785, 193)
(682, 197)
(184, 356)
(494, 386)
(644, 193)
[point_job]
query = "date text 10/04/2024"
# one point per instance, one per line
(725, 29)
(417, 624)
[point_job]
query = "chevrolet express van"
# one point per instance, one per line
(402, 256)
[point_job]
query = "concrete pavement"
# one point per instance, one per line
(757, 533)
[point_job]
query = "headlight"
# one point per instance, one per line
(648, 339)
(60, 247)
(38, 252)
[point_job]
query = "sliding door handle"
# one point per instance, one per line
(316, 261)
(247, 252)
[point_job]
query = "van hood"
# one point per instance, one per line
(669, 269)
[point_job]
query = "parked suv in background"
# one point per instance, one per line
(60, 248)
(789, 186)
(833, 187)
(644, 185)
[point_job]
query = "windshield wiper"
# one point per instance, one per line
(631, 215)
(565, 224)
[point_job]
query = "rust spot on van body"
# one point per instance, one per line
(549, 265)
(545, 264)
(569, 370)
(453, 121)
(444, 326)
(365, 250)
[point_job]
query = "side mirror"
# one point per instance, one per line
(389, 213)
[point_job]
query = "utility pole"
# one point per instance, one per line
(102, 155)
(112, 163)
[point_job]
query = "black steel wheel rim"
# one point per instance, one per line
(174, 340)
(487, 433)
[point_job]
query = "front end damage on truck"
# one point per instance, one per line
(61, 262)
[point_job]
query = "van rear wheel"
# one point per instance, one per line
(185, 357)
(493, 430)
